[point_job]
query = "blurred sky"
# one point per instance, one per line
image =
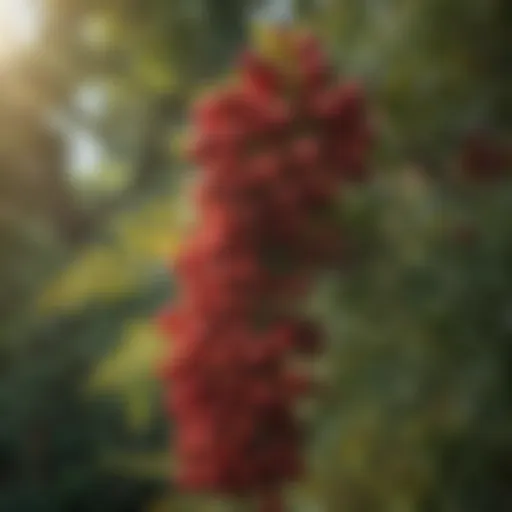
(20, 27)
(20, 24)
(277, 10)
(86, 152)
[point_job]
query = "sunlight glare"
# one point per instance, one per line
(20, 21)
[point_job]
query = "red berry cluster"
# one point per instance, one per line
(485, 159)
(273, 149)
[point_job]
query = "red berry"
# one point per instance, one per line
(258, 76)
(315, 71)
(306, 152)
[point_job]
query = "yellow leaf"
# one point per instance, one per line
(96, 274)
(138, 408)
(133, 360)
(272, 40)
(150, 234)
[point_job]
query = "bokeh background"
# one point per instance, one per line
(93, 205)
